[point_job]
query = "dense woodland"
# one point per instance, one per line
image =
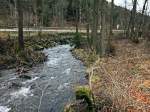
(61, 12)
(87, 14)
(112, 41)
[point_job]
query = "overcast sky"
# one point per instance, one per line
(129, 3)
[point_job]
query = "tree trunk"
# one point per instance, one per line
(88, 24)
(77, 15)
(88, 33)
(95, 25)
(141, 25)
(125, 19)
(111, 17)
(103, 35)
(20, 25)
(15, 13)
(131, 27)
(110, 27)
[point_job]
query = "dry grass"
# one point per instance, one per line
(124, 78)
(86, 56)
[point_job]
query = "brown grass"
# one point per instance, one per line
(124, 78)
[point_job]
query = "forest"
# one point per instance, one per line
(74, 55)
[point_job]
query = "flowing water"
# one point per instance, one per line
(49, 89)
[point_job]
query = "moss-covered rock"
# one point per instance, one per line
(78, 106)
(84, 93)
(83, 101)
(25, 77)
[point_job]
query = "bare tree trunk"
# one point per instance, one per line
(15, 13)
(88, 33)
(111, 17)
(95, 25)
(88, 24)
(28, 23)
(77, 15)
(77, 27)
(131, 27)
(125, 19)
(141, 25)
(20, 25)
(103, 33)
(111, 26)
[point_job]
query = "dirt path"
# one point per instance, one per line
(53, 30)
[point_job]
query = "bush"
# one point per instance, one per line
(77, 40)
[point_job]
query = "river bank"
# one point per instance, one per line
(117, 81)
(11, 57)
(85, 98)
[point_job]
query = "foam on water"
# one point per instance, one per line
(65, 85)
(53, 61)
(58, 72)
(22, 92)
(13, 78)
(67, 71)
(29, 81)
(4, 109)
(52, 77)
(2, 87)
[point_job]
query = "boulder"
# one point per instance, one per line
(25, 76)
(15, 85)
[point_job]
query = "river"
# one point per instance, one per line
(50, 88)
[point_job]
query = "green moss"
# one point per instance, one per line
(84, 93)
(95, 78)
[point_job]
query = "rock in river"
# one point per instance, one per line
(25, 76)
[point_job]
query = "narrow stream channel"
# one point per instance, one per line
(50, 88)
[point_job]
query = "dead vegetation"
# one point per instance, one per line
(122, 82)
(86, 56)
(124, 78)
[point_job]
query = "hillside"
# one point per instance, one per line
(34, 14)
